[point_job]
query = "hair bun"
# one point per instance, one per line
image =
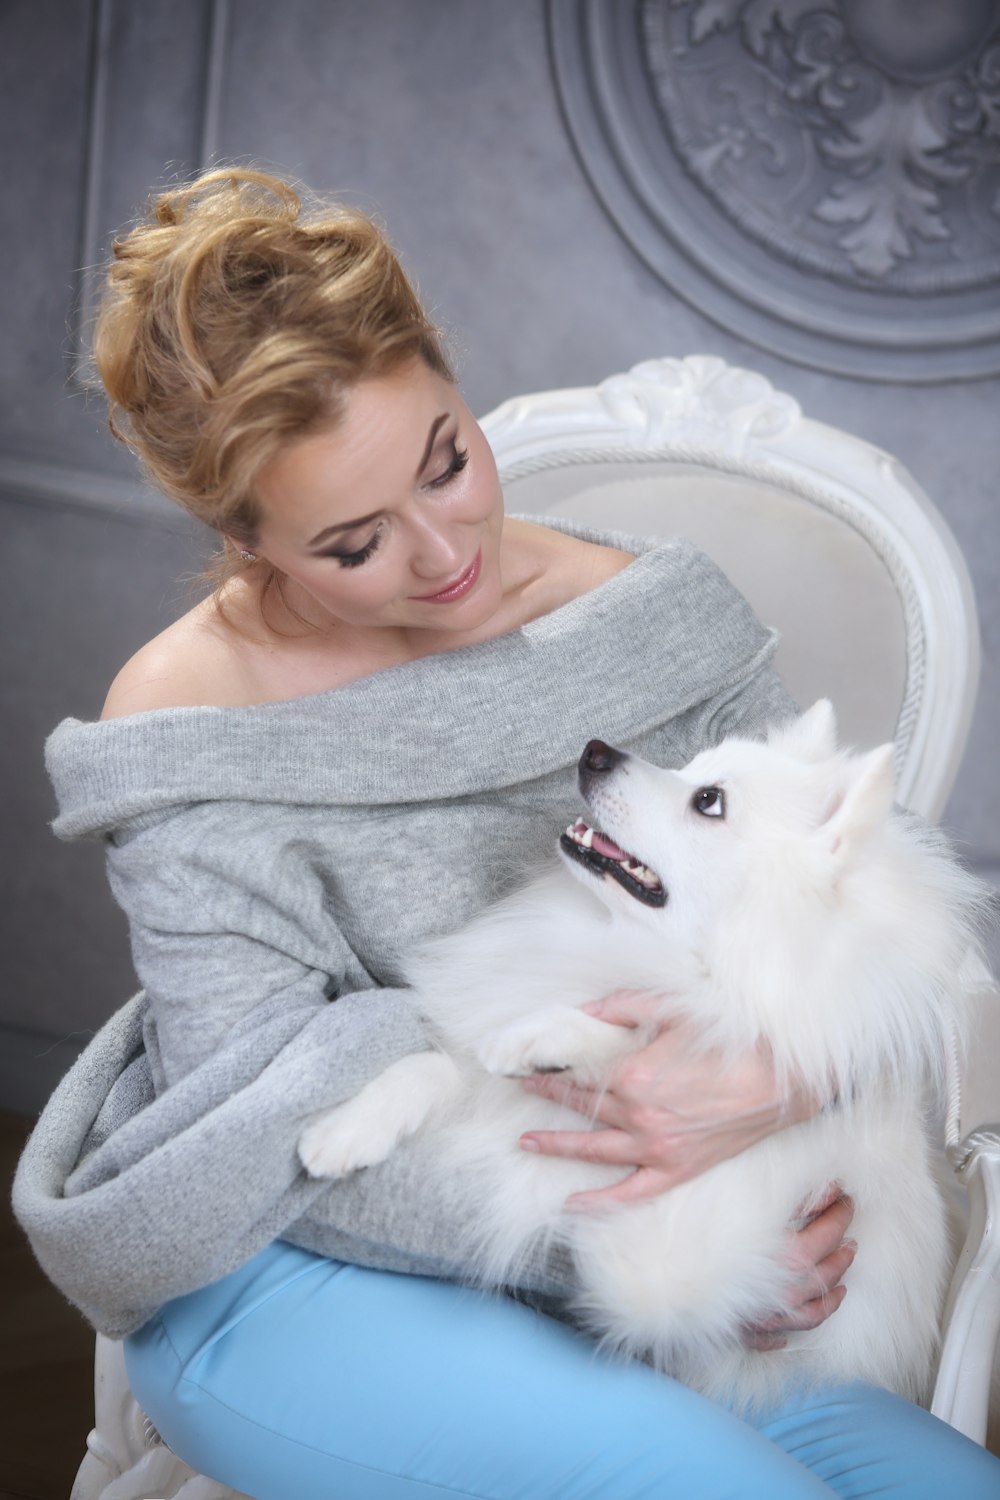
(233, 322)
(234, 193)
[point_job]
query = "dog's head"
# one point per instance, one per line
(775, 874)
(745, 817)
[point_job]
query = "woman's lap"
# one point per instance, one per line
(297, 1378)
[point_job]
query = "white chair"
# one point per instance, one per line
(834, 543)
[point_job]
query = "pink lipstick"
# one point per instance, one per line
(455, 590)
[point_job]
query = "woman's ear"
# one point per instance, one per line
(244, 553)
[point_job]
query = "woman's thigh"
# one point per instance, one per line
(298, 1378)
(865, 1442)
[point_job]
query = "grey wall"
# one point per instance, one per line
(440, 115)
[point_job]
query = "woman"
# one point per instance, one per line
(355, 742)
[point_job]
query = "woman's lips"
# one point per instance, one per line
(455, 590)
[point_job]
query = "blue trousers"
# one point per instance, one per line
(301, 1378)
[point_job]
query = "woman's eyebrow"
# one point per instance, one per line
(328, 531)
(432, 434)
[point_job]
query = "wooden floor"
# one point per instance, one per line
(46, 1361)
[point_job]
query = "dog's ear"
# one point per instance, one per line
(864, 806)
(812, 736)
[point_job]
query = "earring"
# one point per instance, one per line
(246, 556)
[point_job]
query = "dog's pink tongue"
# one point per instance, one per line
(607, 846)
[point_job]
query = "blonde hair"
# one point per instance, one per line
(235, 321)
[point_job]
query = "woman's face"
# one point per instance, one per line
(393, 516)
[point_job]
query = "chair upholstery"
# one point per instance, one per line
(835, 544)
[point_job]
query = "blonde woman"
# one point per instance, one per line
(356, 740)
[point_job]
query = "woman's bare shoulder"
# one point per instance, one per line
(570, 564)
(194, 663)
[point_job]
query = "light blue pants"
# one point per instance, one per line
(300, 1378)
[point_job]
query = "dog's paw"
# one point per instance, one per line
(366, 1129)
(517, 1050)
(335, 1146)
(557, 1042)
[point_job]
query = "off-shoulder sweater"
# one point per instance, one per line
(275, 861)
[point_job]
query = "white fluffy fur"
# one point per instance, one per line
(811, 916)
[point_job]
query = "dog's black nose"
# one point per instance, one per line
(600, 757)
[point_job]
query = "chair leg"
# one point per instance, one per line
(126, 1458)
(972, 1316)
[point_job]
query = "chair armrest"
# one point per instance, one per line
(971, 1321)
(973, 1083)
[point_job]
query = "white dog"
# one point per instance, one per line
(765, 892)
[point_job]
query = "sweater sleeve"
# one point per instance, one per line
(232, 923)
(751, 708)
(259, 1016)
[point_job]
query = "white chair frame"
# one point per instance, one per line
(700, 412)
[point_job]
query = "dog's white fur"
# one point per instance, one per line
(810, 916)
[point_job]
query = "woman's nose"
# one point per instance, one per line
(438, 552)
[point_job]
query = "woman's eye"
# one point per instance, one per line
(459, 459)
(457, 462)
(710, 801)
(355, 559)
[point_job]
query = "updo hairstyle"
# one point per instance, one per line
(233, 322)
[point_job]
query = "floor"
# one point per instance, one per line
(46, 1361)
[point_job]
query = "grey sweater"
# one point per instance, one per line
(274, 861)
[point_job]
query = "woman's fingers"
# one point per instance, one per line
(810, 1208)
(625, 1007)
(809, 1246)
(755, 1337)
(594, 1104)
(612, 1147)
(816, 1311)
(829, 1272)
(809, 1314)
(771, 1334)
(821, 1256)
(643, 1183)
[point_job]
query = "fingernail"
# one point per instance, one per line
(851, 1245)
(528, 1143)
(593, 1007)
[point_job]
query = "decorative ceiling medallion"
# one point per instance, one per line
(819, 176)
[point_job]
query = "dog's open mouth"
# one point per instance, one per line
(599, 853)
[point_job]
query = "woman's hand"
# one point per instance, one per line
(819, 1255)
(671, 1110)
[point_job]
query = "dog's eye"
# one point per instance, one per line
(710, 801)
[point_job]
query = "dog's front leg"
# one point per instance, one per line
(364, 1130)
(557, 1040)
